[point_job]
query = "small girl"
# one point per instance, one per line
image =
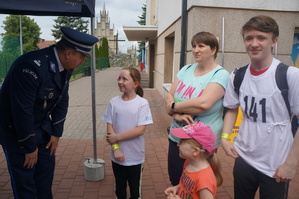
(127, 117)
(201, 174)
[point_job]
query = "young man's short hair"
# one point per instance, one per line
(262, 23)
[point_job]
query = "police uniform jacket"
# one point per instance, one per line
(33, 99)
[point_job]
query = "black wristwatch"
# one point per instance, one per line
(173, 106)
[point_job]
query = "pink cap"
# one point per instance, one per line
(200, 132)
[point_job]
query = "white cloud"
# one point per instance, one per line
(121, 13)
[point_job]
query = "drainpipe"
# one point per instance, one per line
(183, 33)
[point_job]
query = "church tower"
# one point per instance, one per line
(104, 30)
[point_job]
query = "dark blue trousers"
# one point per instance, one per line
(34, 183)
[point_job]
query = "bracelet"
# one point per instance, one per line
(115, 146)
(225, 135)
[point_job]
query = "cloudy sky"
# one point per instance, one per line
(121, 13)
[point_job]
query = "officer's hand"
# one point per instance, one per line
(31, 159)
(53, 144)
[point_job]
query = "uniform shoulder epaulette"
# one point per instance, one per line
(38, 58)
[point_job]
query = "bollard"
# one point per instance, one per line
(94, 171)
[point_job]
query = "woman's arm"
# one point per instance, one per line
(211, 94)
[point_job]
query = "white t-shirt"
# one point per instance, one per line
(124, 116)
(265, 138)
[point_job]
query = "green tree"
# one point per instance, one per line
(141, 44)
(105, 48)
(104, 53)
(97, 50)
(30, 34)
(97, 54)
(77, 23)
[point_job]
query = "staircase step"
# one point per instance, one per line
(144, 80)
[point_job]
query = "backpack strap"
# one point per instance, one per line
(188, 66)
(239, 76)
(217, 71)
(282, 83)
(214, 72)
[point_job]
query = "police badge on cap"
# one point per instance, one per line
(79, 41)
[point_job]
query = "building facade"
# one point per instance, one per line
(224, 18)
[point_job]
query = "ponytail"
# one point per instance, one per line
(216, 167)
(139, 91)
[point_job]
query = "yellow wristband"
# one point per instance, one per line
(115, 146)
(225, 135)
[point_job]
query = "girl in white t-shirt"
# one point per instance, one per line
(127, 117)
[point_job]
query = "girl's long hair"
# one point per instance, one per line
(216, 167)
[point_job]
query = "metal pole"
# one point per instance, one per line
(222, 42)
(183, 33)
(93, 63)
(21, 37)
(116, 45)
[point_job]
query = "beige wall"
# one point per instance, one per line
(235, 54)
(210, 19)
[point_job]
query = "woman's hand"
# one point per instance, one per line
(183, 118)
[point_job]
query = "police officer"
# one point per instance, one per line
(33, 107)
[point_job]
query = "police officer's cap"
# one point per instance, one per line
(79, 41)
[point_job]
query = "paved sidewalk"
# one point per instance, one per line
(77, 144)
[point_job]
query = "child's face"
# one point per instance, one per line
(186, 149)
(125, 82)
